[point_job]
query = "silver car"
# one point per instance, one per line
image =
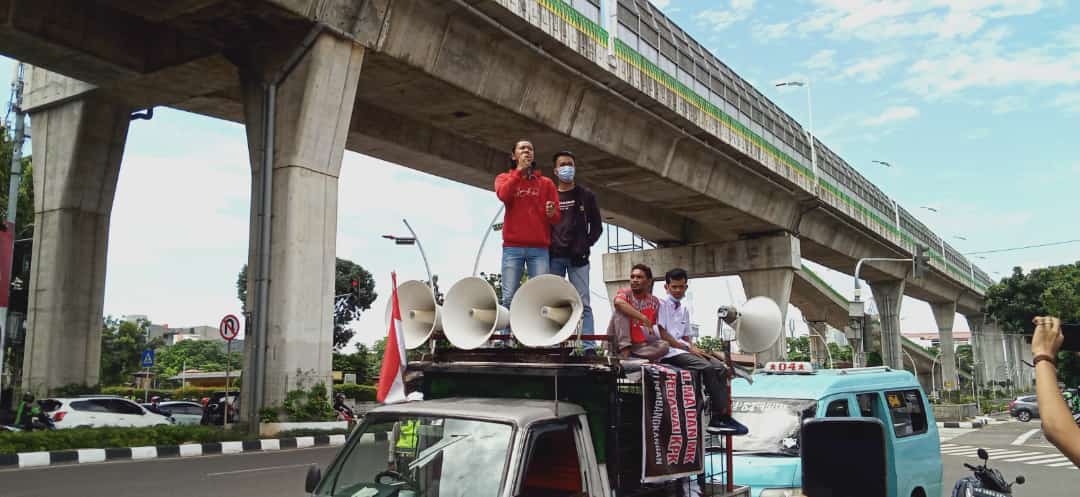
(1024, 408)
(183, 412)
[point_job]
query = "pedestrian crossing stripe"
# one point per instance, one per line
(1009, 455)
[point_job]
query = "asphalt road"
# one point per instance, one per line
(1016, 449)
(260, 474)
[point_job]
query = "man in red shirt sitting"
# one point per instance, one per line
(531, 202)
(637, 305)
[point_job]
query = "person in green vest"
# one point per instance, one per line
(404, 440)
(26, 412)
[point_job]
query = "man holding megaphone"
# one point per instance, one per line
(531, 202)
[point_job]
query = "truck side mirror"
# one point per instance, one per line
(824, 474)
(314, 475)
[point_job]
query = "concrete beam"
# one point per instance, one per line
(78, 147)
(818, 301)
(888, 295)
(777, 251)
(314, 107)
(944, 315)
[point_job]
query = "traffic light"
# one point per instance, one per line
(921, 264)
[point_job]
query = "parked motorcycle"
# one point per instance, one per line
(985, 481)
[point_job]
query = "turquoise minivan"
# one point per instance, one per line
(784, 394)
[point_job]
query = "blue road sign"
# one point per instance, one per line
(148, 358)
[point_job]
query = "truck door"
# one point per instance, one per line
(553, 465)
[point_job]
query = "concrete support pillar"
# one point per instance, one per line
(775, 284)
(818, 345)
(78, 146)
(313, 112)
(977, 324)
(1028, 373)
(613, 288)
(888, 295)
(944, 315)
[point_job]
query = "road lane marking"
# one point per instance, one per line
(255, 470)
(1061, 464)
(1027, 459)
(1054, 459)
(1023, 438)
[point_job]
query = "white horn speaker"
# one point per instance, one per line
(420, 315)
(471, 313)
(545, 311)
(759, 326)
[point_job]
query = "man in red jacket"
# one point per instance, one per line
(531, 202)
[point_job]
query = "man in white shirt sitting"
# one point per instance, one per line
(674, 324)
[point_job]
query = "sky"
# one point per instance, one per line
(974, 103)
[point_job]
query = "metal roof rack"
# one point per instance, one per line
(872, 369)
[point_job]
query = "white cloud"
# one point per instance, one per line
(768, 32)
(878, 20)
(661, 4)
(823, 59)
(987, 63)
(1005, 105)
(1068, 102)
(871, 69)
(892, 114)
(720, 19)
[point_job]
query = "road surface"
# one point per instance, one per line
(259, 474)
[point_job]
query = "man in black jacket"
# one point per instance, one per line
(577, 230)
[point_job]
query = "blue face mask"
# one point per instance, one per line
(565, 174)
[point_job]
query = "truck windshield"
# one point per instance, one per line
(774, 424)
(427, 456)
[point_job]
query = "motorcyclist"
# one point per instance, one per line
(27, 411)
(344, 411)
(155, 408)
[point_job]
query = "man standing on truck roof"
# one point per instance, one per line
(674, 324)
(578, 229)
(531, 202)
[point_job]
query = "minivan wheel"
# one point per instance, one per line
(1024, 416)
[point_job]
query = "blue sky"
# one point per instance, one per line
(975, 103)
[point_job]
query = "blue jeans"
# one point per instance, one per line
(579, 277)
(514, 261)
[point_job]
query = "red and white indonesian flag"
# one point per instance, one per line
(392, 374)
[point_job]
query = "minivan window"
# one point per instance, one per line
(837, 409)
(774, 424)
(868, 405)
(906, 410)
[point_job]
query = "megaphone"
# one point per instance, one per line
(471, 313)
(759, 325)
(420, 315)
(545, 311)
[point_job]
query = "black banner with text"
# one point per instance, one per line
(671, 424)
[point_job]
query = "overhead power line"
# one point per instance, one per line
(1025, 247)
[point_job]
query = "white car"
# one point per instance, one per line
(101, 411)
(183, 412)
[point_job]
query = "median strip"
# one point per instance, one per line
(85, 456)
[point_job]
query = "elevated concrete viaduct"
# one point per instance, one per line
(442, 86)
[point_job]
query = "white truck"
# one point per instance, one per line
(512, 424)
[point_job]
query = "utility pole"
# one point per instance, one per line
(7, 250)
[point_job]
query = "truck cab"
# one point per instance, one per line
(499, 428)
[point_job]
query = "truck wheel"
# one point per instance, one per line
(1024, 416)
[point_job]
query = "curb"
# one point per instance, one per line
(962, 424)
(84, 456)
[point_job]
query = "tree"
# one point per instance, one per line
(195, 354)
(965, 358)
(122, 344)
(1053, 290)
(24, 211)
(350, 300)
(840, 354)
(798, 349)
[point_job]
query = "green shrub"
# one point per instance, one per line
(268, 415)
(359, 393)
(100, 438)
(311, 405)
(74, 390)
